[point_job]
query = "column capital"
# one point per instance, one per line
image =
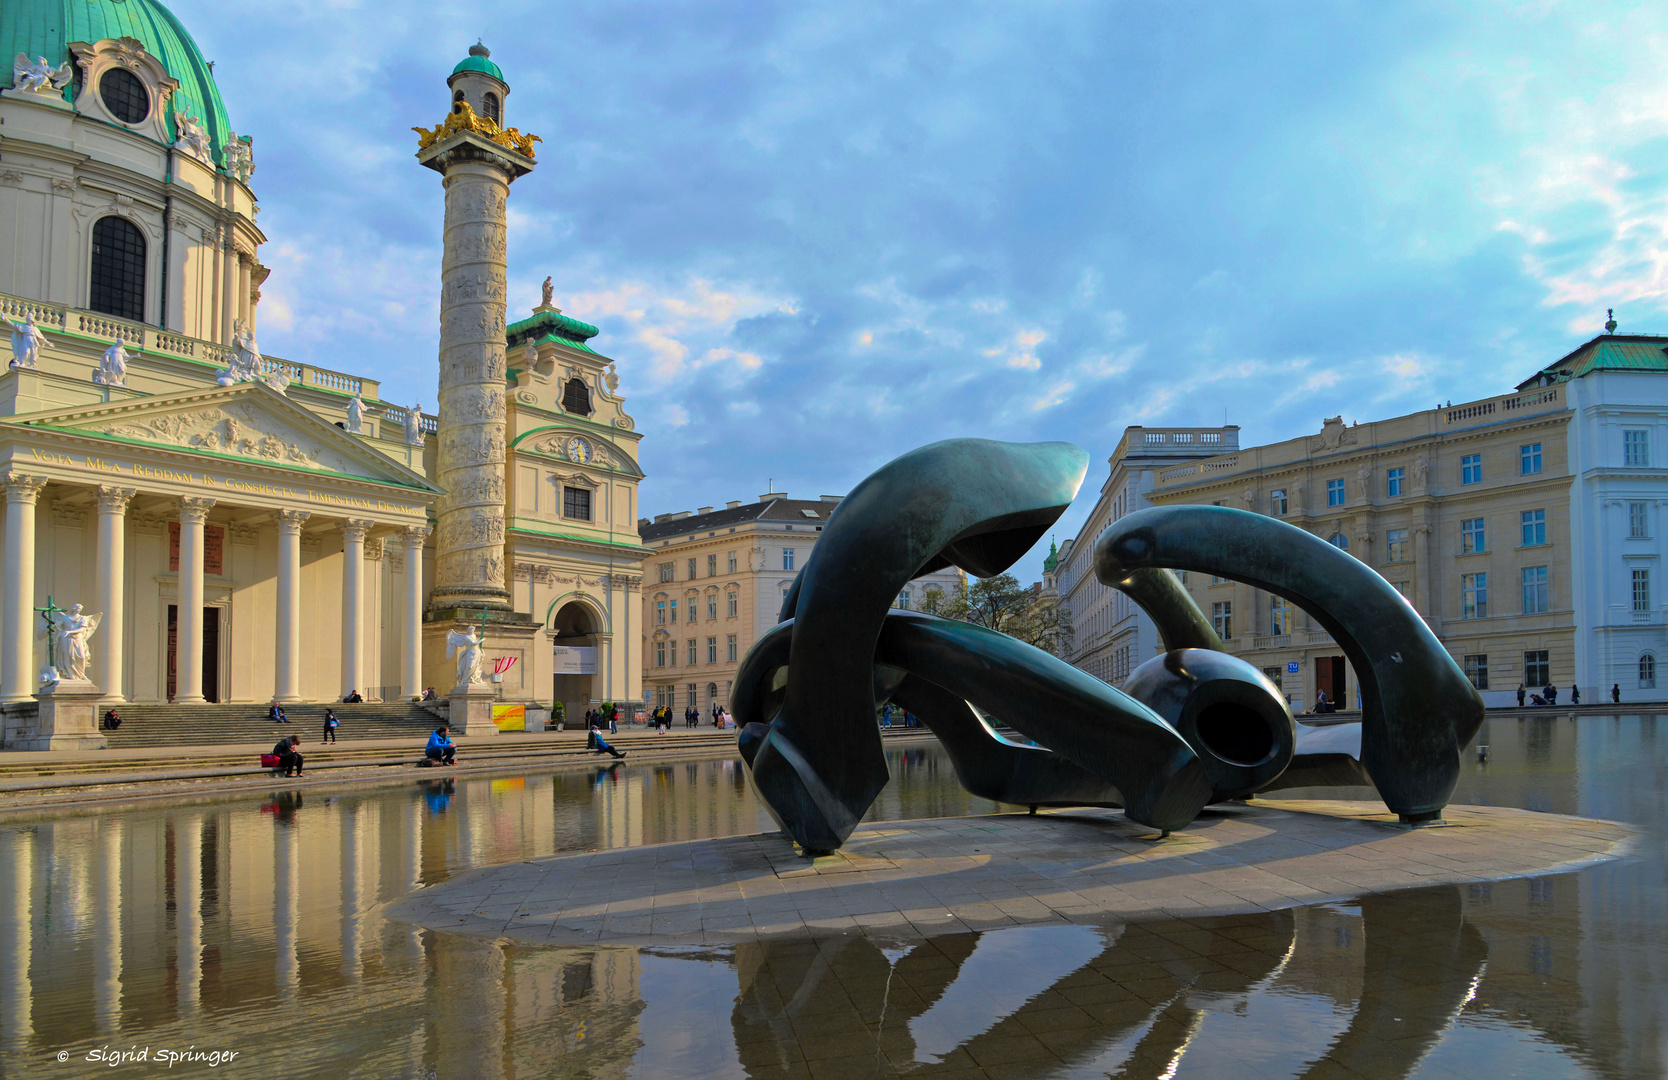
(354, 529)
(416, 535)
(289, 522)
(22, 488)
(194, 508)
(114, 500)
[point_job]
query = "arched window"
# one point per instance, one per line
(489, 107)
(576, 398)
(124, 95)
(1647, 671)
(457, 101)
(712, 693)
(118, 273)
(1339, 541)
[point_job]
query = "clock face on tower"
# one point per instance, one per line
(580, 450)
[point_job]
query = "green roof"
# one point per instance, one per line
(46, 28)
(1607, 352)
(1053, 559)
(551, 326)
(480, 64)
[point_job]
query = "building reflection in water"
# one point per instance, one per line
(257, 924)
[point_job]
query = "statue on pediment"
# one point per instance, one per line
(112, 370)
(193, 137)
(356, 414)
(27, 341)
(414, 425)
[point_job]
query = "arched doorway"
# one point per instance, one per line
(574, 630)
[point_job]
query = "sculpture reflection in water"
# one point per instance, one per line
(1192, 726)
(1077, 1001)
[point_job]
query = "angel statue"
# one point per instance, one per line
(39, 77)
(193, 137)
(112, 371)
(70, 631)
(467, 646)
(27, 341)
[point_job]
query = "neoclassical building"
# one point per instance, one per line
(248, 527)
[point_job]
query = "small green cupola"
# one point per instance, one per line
(479, 82)
(1053, 560)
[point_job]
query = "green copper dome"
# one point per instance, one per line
(46, 28)
(479, 59)
(1053, 559)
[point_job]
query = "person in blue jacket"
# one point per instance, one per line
(440, 748)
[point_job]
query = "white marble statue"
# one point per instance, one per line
(245, 365)
(70, 631)
(467, 647)
(27, 341)
(39, 77)
(239, 157)
(193, 137)
(356, 414)
(112, 370)
(414, 425)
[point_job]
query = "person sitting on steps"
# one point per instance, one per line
(440, 749)
(289, 762)
(603, 747)
(353, 699)
(112, 721)
(276, 714)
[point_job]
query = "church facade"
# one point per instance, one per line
(251, 528)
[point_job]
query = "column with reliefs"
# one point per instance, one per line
(411, 635)
(287, 666)
(353, 600)
(188, 638)
(17, 589)
(112, 589)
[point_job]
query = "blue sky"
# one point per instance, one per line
(815, 236)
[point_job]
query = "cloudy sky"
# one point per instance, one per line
(817, 235)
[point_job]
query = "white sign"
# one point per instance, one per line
(576, 659)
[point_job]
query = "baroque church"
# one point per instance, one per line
(249, 528)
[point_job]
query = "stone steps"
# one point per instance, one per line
(199, 725)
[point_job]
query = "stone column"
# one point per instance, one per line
(411, 635)
(107, 955)
(288, 654)
(353, 601)
(17, 929)
(17, 589)
(188, 912)
(112, 567)
(188, 647)
(1421, 569)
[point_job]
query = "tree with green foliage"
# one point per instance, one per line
(1001, 603)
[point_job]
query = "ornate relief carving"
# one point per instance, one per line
(73, 517)
(755, 559)
(480, 489)
(373, 548)
(242, 429)
(472, 531)
(61, 184)
(21, 488)
(1333, 435)
(240, 533)
(147, 523)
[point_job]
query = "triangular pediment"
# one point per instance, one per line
(249, 422)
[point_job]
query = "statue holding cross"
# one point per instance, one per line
(67, 633)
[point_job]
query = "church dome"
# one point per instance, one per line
(47, 27)
(479, 60)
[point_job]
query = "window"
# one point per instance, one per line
(660, 613)
(124, 95)
(1393, 481)
(1395, 545)
(1273, 675)
(1339, 541)
(690, 607)
(1279, 616)
(1636, 448)
(660, 654)
(1405, 588)
(1641, 590)
(1472, 539)
(1534, 527)
(712, 606)
(903, 600)
(787, 558)
(1473, 596)
(694, 695)
(712, 650)
(489, 107)
(1537, 671)
(1535, 598)
(665, 571)
(1529, 459)
(734, 603)
(576, 398)
(1334, 493)
(732, 557)
(576, 503)
(691, 569)
(674, 613)
(730, 645)
(1218, 579)
(116, 284)
(1638, 526)
(689, 651)
(1647, 671)
(1222, 619)
(712, 566)
(1476, 669)
(1471, 469)
(1181, 576)
(1277, 502)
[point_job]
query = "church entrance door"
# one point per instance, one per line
(211, 652)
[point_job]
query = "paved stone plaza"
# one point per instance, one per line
(925, 877)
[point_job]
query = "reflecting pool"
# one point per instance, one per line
(251, 925)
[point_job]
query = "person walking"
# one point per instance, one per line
(1522, 695)
(1616, 694)
(289, 761)
(614, 720)
(330, 725)
(1575, 695)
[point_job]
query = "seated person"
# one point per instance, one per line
(353, 698)
(112, 721)
(288, 760)
(428, 695)
(602, 746)
(440, 746)
(276, 714)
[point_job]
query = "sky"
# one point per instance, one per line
(815, 236)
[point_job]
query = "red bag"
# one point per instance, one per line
(269, 761)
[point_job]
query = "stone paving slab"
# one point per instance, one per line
(948, 875)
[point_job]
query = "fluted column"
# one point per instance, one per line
(411, 625)
(353, 600)
(287, 665)
(188, 646)
(17, 588)
(112, 568)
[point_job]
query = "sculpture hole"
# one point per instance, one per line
(1234, 733)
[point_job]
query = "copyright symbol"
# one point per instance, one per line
(63, 1055)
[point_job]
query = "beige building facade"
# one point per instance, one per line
(714, 583)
